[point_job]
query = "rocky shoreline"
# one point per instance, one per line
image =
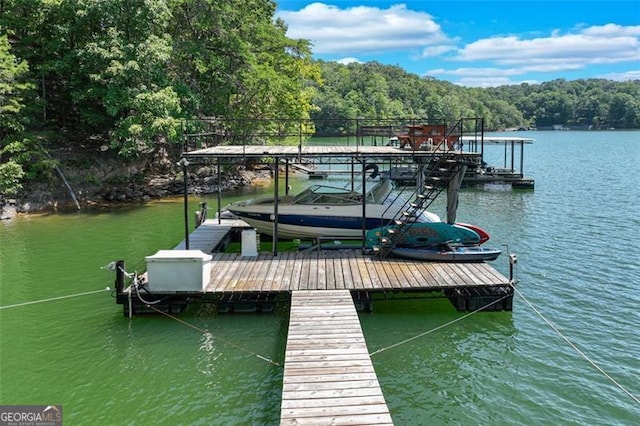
(54, 197)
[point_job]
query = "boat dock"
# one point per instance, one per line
(237, 282)
(328, 374)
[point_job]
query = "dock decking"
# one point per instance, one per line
(341, 270)
(328, 269)
(210, 234)
(328, 374)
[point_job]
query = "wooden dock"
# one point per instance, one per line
(341, 270)
(328, 374)
(210, 234)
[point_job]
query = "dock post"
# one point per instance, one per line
(512, 261)
(120, 276)
(184, 163)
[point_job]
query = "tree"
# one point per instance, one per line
(12, 90)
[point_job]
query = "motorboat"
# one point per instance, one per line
(324, 211)
(448, 253)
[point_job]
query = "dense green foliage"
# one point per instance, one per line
(375, 90)
(123, 74)
(126, 75)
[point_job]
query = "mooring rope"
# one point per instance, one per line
(575, 348)
(55, 298)
(204, 331)
(438, 327)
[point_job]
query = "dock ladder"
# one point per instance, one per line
(439, 170)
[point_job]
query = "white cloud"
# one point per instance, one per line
(613, 30)
(488, 81)
(622, 76)
(362, 29)
(402, 34)
(591, 46)
(348, 60)
(436, 50)
(511, 56)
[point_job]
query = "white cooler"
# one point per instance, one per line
(178, 270)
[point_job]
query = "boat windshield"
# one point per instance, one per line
(320, 194)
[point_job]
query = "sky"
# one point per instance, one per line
(476, 43)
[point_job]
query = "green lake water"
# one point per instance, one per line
(576, 237)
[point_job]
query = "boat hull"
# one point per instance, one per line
(460, 254)
(317, 221)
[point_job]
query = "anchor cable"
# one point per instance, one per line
(204, 331)
(55, 298)
(575, 348)
(438, 327)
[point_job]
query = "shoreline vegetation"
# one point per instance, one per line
(105, 93)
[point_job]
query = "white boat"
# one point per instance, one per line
(323, 211)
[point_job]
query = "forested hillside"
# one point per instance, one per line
(122, 74)
(118, 78)
(375, 90)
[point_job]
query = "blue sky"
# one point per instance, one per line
(476, 43)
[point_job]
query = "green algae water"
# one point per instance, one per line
(576, 237)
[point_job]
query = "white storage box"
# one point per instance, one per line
(178, 270)
(249, 245)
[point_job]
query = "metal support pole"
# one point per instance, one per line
(286, 176)
(364, 202)
(276, 201)
(219, 192)
(120, 276)
(512, 261)
(521, 159)
(184, 163)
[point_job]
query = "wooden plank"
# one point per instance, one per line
(376, 266)
(328, 374)
(330, 273)
(272, 280)
(244, 279)
(321, 283)
(234, 275)
(502, 278)
(313, 271)
(465, 274)
(412, 277)
(437, 274)
(338, 272)
(222, 267)
(341, 400)
(283, 274)
(368, 281)
(296, 272)
(303, 284)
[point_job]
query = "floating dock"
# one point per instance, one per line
(328, 374)
(236, 282)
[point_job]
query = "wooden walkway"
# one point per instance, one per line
(328, 374)
(207, 236)
(341, 269)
